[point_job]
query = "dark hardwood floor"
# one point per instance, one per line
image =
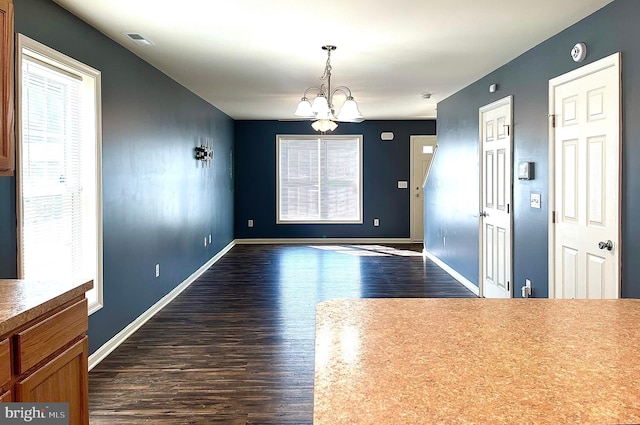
(237, 347)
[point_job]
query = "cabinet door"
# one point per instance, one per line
(7, 138)
(5, 363)
(63, 379)
(6, 397)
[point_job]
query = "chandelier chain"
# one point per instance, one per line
(327, 67)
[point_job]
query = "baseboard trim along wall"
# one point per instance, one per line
(102, 352)
(320, 241)
(454, 274)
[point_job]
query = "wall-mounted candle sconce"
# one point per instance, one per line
(204, 152)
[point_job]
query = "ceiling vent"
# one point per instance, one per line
(139, 39)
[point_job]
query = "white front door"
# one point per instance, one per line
(585, 179)
(495, 199)
(423, 149)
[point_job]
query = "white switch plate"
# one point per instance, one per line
(209, 237)
(205, 241)
(250, 223)
(157, 270)
(376, 222)
(402, 184)
(535, 200)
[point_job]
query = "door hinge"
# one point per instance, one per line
(508, 286)
(508, 129)
(553, 120)
(553, 216)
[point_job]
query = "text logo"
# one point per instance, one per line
(34, 413)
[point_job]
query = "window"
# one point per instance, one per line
(59, 173)
(319, 179)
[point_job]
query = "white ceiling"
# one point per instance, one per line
(253, 59)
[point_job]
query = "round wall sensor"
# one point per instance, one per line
(579, 52)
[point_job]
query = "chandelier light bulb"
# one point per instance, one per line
(320, 105)
(350, 111)
(324, 125)
(304, 109)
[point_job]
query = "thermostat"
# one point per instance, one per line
(525, 170)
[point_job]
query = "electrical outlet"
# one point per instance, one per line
(205, 241)
(157, 270)
(376, 222)
(250, 223)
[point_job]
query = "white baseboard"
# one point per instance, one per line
(274, 241)
(457, 276)
(122, 336)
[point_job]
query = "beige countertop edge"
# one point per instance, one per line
(12, 317)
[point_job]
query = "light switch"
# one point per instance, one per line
(535, 200)
(402, 184)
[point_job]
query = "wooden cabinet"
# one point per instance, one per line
(7, 106)
(43, 339)
(46, 360)
(63, 379)
(5, 363)
(5, 370)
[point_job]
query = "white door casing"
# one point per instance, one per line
(496, 165)
(584, 181)
(423, 149)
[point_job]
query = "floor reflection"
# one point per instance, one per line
(309, 275)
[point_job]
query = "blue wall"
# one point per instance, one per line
(451, 199)
(384, 163)
(158, 202)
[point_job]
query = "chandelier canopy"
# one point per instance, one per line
(322, 108)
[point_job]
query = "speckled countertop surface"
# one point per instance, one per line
(24, 300)
(477, 361)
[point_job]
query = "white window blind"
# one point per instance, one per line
(58, 185)
(319, 179)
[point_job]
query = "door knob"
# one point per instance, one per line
(608, 245)
(483, 214)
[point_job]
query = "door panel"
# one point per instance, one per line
(488, 184)
(595, 276)
(501, 181)
(596, 158)
(586, 182)
(570, 180)
(495, 217)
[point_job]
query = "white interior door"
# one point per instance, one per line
(423, 149)
(495, 199)
(585, 135)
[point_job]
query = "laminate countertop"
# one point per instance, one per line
(24, 300)
(477, 361)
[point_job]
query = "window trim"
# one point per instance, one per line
(360, 139)
(48, 56)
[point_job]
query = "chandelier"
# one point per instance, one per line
(322, 108)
